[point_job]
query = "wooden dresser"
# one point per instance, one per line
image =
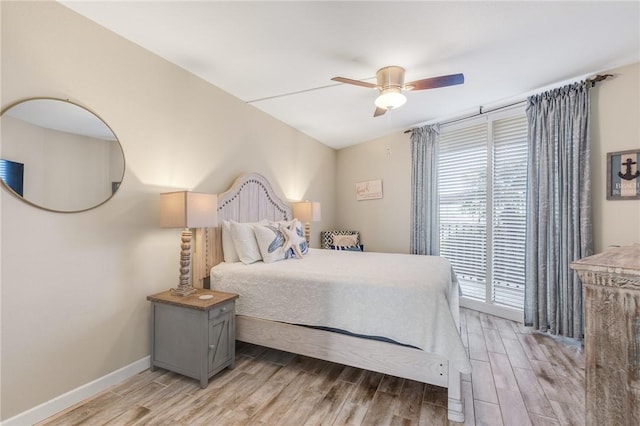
(611, 289)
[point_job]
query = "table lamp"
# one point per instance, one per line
(184, 209)
(307, 211)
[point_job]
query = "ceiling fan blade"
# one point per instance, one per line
(354, 82)
(435, 82)
(379, 111)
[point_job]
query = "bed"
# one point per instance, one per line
(368, 310)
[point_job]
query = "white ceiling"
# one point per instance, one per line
(280, 56)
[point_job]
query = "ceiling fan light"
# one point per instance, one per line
(390, 98)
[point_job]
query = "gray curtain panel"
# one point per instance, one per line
(559, 227)
(424, 190)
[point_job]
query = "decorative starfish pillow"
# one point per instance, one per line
(304, 246)
(270, 241)
(292, 240)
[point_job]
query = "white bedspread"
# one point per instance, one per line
(410, 299)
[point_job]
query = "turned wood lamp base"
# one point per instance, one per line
(185, 288)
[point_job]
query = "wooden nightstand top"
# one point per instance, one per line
(192, 301)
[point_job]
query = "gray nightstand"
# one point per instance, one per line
(191, 336)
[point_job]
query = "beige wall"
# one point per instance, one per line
(615, 108)
(385, 224)
(74, 285)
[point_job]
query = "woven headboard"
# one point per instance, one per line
(249, 199)
(326, 237)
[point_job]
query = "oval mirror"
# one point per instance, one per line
(58, 155)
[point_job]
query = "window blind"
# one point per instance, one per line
(509, 211)
(482, 171)
(462, 176)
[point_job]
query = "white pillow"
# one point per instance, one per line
(228, 249)
(270, 242)
(344, 240)
(244, 240)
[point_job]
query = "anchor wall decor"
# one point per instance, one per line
(623, 175)
(628, 175)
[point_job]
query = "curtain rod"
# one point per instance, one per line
(598, 78)
(481, 111)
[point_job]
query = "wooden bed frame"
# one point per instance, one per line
(250, 199)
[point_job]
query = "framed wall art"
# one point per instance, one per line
(369, 190)
(623, 175)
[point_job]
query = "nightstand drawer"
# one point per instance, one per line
(221, 310)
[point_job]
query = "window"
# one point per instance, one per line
(12, 174)
(482, 170)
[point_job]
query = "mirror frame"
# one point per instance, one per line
(124, 161)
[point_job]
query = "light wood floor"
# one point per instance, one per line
(519, 378)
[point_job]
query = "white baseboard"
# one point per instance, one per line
(64, 401)
(499, 311)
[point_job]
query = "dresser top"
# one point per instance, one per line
(623, 260)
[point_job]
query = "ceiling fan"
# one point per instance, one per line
(391, 85)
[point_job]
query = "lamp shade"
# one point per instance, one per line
(307, 211)
(390, 98)
(184, 209)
